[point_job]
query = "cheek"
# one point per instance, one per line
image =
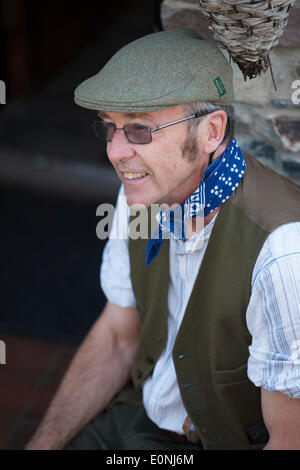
(169, 166)
(172, 172)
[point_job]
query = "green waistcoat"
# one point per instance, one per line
(211, 349)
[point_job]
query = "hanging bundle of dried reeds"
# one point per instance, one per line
(248, 29)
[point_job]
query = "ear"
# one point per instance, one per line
(213, 131)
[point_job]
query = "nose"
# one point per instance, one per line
(119, 148)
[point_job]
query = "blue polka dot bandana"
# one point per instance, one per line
(219, 181)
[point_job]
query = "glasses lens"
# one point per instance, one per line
(137, 133)
(104, 131)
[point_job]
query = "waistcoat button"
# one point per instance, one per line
(139, 374)
(188, 385)
(182, 356)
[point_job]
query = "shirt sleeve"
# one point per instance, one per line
(115, 267)
(273, 319)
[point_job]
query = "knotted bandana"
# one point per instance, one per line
(219, 181)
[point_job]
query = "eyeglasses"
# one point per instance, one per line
(135, 133)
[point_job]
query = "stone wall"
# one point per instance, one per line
(267, 121)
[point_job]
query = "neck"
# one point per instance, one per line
(195, 225)
(220, 150)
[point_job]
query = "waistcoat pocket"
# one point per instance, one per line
(223, 377)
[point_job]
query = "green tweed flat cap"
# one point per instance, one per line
(159, 71)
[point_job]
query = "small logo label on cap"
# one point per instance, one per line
(220, 86)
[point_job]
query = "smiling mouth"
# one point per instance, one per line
(133, 176)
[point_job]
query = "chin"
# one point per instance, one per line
(133, 200)
(140, 202)
(141, 198)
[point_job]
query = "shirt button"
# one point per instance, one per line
(150, 360)
(139, 374)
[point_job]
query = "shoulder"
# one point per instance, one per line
(282, 244)
(267, 198)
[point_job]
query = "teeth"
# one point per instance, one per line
(133, 176)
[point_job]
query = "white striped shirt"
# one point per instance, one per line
(273, 314)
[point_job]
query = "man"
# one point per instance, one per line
(198, 345)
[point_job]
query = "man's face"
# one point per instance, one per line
(168, 176)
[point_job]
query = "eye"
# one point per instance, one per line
(138, 126)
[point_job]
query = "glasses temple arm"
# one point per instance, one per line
(196, 115)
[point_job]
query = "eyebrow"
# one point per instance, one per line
(102, 114)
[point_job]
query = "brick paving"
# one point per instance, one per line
(28, 382)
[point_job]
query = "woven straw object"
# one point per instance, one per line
(249, 30)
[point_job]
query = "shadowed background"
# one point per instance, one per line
(53, 175)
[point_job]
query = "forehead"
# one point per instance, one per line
(103, 114)
(174, 111)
